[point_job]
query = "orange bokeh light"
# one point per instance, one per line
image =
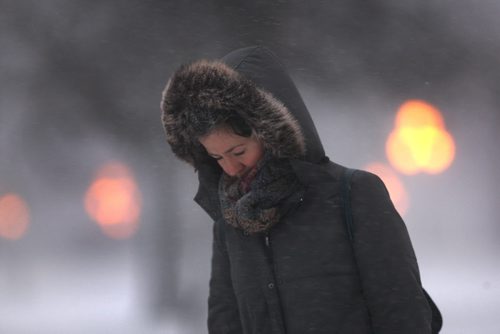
(417, 113)
(14, 216)
(420, 142)
(394, 185)
(113, 200)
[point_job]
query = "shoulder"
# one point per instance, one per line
(309, 172)
(361, 182)
(365, 179)
(359, 177)
(369, 191)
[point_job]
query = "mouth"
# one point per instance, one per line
(248, 174)
(244, 174)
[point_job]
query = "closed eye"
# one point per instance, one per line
(239, 153)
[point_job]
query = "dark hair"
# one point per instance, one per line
(239, 125)
(206, 122)
(233, 121)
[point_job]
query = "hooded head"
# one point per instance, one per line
(204, 95)
(248, 84)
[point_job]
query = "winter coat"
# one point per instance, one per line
(303, 276)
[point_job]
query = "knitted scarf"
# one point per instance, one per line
(260, 207)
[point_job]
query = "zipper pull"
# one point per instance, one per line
(266, 239)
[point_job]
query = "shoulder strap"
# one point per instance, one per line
(346, 201)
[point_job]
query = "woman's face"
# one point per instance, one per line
(236, 155)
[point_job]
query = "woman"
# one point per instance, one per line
(282, 261)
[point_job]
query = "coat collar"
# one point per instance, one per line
(208, 198)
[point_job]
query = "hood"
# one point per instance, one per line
(251, 82)
(262, 67)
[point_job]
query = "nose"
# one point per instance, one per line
(233, 167)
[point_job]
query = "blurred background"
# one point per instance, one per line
(98, 229)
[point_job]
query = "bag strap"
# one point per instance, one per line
(346, 200)
(437, 319)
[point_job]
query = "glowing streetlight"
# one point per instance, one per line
(420, 142)
(14, 216)
(113, 201)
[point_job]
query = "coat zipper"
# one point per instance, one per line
(266, 240)
(269, 251)
(270, 257)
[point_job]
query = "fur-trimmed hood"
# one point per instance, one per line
(249, 82)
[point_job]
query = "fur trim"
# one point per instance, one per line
(201, 95)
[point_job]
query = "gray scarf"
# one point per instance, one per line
(262, 206)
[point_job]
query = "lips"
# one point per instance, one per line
(248, 174)
(243, 175)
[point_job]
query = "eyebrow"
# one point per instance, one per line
(229, 150)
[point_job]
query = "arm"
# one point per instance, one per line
(387, 264)
(223, 314)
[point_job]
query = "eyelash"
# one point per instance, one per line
(237, 154)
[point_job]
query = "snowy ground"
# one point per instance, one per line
(86, 298)
(102, 298)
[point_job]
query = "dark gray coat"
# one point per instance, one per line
(303, 276)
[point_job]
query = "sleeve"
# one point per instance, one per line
(386, 261)
(223, 314)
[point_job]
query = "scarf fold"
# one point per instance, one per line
(264, 203)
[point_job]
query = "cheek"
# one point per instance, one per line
(221, 163)
(256, 156)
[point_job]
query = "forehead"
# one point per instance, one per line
(219, 141)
